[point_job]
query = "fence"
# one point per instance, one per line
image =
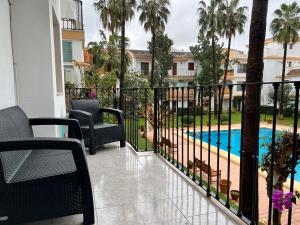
(190, 128)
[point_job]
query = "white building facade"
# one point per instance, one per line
(72, 40)
(273, 59)
(31, 62)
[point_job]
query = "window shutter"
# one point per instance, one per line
(67, 51)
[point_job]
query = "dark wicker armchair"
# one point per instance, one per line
(95, 131)
(41, 178)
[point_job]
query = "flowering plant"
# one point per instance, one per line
(283, 200)
(92, 94)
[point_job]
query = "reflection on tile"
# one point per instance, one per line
(172, 222)
(211, 219)
(120, 215)
(158, 211)
(192, 205)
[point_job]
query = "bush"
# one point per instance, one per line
(191, 110)
(187, 119)
(224, 118)
(288, 111)
(266, 109)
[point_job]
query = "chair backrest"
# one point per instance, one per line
(202, 165)
(13, 124)
(91, 106)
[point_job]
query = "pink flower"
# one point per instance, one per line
(92, 94)
(280, 199)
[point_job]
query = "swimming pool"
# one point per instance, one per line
(265, 135)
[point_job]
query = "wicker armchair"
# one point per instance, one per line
(41, 178)
(95, 131)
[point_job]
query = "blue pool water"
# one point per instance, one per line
(265, 135)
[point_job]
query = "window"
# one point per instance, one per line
(174, 105)
(145, 68)
(242, 68)
(67, 51)
(191, 104)
(174, 69)
(191, 66)
(239, 87)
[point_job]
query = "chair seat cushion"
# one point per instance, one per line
(104, 133)
(45, 163)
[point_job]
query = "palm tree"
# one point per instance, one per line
(210, 25)
(234, 19)
(106, 54)
(110, 13)
(249, 178)
(96, 49)
(113, 15)
(285, 27)
(154, 16)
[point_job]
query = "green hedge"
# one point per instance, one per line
(187, 119)
(191, 111)
(266, 109)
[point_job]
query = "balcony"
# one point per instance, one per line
(170, 166)
(142, 189)
(72, 18)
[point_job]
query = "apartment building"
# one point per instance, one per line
(183, 70)
(73, 38)
(273, 59)
(182, 73)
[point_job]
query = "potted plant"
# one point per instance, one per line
(142, 128)
(235, 194)
(190, 165)
(225, 186)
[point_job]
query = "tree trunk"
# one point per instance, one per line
(122, 73)
(153, 59)
(282, 80)
(214, 74)
(225, 73)
(249, 189)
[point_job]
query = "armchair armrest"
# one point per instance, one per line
(118, 113)
(83, 114)
(73, 125)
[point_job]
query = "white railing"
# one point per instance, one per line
(273, 52)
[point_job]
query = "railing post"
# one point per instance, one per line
(155, 120)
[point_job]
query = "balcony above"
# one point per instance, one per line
(72, 18)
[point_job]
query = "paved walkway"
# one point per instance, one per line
(143, 190)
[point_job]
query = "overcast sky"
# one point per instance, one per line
(182, 26)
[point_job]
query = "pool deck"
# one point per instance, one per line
(234, 166)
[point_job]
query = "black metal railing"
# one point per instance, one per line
(77, 23)
(182, 126)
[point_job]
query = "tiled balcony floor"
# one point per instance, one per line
(131, 189)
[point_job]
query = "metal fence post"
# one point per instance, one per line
(155, 120)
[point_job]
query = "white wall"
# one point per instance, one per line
(77, 54)
(7, 87)
(182, 68)
(35, 60)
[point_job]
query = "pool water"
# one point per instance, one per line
(265, 137)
